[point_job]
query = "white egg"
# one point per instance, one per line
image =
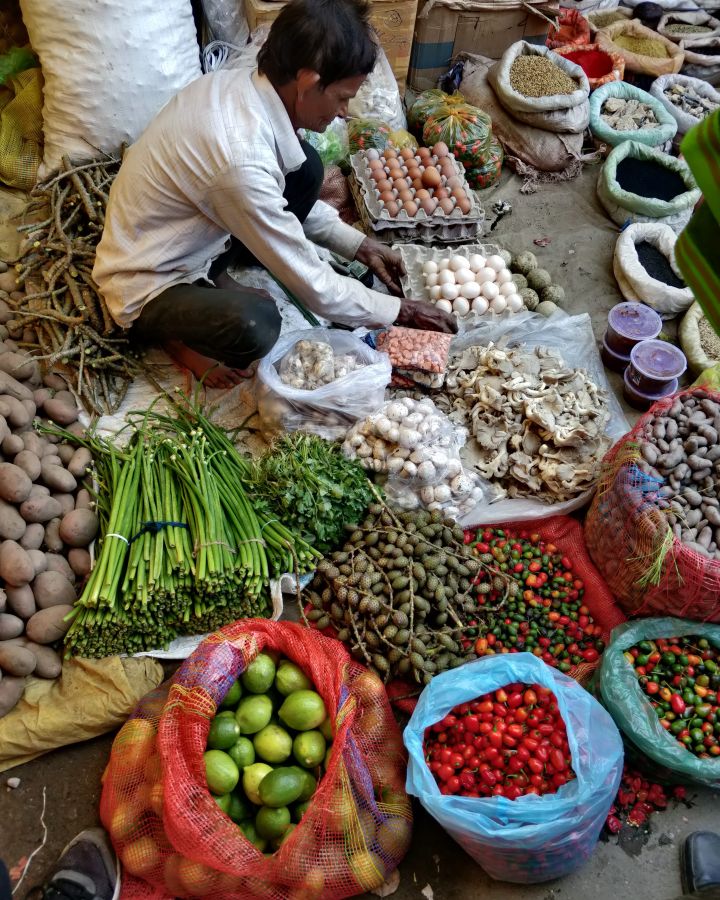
(444, 305)
(462, 276)
(443, 264)
(480, 306)
(485, 275)
(515, 302)
(450, 291)
(490, 291)
(495, 262)
(461, 306)
(477, 262)
(372, 154)
(446, 277)
(498, 305)
(471, 290)
(504, 276)
(431, 279)
(435, 292)
(508, 288)
(429, 267)
(457, 263)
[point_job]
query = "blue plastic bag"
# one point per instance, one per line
(533, 838)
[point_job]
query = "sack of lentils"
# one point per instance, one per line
(683, 26)
(659, 679)
(653, 528)
(641, 184)
(600, 66)
(622, 112)
(541, 88)
(644, 51)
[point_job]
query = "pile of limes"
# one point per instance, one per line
(267, 748)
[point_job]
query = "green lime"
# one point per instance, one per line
(232, 698)
(309, 749)
(281, 787)
(224, 732)
(253, 713)
(275, 655)
(252, 776)
(278, 842)
(221, 772)
(309, 783)
(273, 744)
(290, 678)
(250, 832)
(299, 810)
(303, 710)
(224, 802)
(272, 823)
(259, 675)
(326, 729)
(326, 761)
(240, 808)
(226, 714)
(242, 753)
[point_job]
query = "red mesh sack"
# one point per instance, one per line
(173, 839)
(647, 568)
(574, 29)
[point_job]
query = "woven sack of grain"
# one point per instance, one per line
(684, 119)
(657, 136)
(637, 62)
(21, 129)
(702, 59)
(690, 19)
(634, 280)
(553, 112)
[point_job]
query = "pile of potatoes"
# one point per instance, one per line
(46, 522)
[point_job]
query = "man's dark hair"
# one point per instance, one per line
(331, 37)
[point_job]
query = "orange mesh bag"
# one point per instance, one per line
(574, 29)
(647, 567)
(173, 839)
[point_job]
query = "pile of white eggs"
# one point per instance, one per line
(475, 284)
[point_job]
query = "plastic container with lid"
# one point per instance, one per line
(618, 362)
(644, 399)
(654, 365)
(628, 324)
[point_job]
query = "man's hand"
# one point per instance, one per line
(384, 262)
(423, 315)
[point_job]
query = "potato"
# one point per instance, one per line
(80, 462)
(39, 490)
(58, 563)
(53, 589)
(41, 395)
(12, 524)
(80, 562)
(38, 560)
(12, 445)
(47, 625)
(9, 387)
(29, 463)
(21, 600)
(5, 312)
(13, 410)
(4, 429)
(77, 428)
(55, 382)
(65, 452)
(57, 478)
(52, 459)
(10, 626)
(19, 365)
(17, 660)
(53, 541)
(79, 528)
(60, 412)
(66, 501)
(64, 396)
(49, 663)
(83, 499)
(30, 407)
(40, 509)
(34, 443)
(11, 690)
(15, 484)
(15, 565)
(33, 537)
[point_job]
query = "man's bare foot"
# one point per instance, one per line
(206, 369)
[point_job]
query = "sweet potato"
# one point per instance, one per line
(17, 660)
(57, 478)
(79, 462)
(33, 537)
(53, 541)
(80, 562)
(21, 601)
(47, 625)
(58, 563)
(29, 463)
(11, 690)
(10, 626)
(12, 524)
(60, 412)
(40, 509)
(16, 567)
(53, 589)
(15, 484)
(78, 528)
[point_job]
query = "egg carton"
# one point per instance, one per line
(414, 256)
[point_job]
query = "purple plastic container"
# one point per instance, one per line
(630, 323)
(618, 362)
(654, 365)
(644, 399)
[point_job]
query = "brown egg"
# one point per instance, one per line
(392, 208)
(375, 165)
(384, 185)
(440, 149)
(404, 196)
(417, 183)
(407, 153)
(446, 205)
(422, 194)
(393, 165)
(400, 183)
(410, 208)
(378, 175)
(389, 154)
(454, 181)
(459, 194)
(423, 153)
(413, 172)
(428, 205)
(447, 168)
(431, 177)
(387, 196)
(441, 194)
(465, 205)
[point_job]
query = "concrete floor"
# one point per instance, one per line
(580, 258)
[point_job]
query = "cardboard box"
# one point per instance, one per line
(445, 28)
(393, 20)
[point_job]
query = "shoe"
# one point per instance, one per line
(700, 862)
(88, 869)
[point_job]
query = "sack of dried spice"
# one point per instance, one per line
(644, 51)
(573, 28)
(600, 66)
(622, 112)
(689, 100)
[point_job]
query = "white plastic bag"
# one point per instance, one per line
(108, 70)
(379, 97)
(633, 278)
(685, 120)
(330, 410)
(573, 337)
(225, 21)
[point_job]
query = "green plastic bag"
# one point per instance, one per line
(624, 699)
(16, 60)
(652, 137)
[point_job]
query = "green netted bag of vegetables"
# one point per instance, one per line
(401, 139)
(488, 168)
(428, 103)
(367, 134)
(622, 696)
(465, 129)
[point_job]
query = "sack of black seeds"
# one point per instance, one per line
(641, 184)
(645, 268)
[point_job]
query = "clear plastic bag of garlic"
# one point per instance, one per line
(472, 285)
(313, 364)
(410, 440)
(455, 495)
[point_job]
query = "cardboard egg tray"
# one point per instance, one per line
(413, 255)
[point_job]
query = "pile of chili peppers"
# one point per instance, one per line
(507, 743)
(637, 799)
(545, 617)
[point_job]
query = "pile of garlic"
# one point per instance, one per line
(313, 364)
(474, 284)
(456, 496)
